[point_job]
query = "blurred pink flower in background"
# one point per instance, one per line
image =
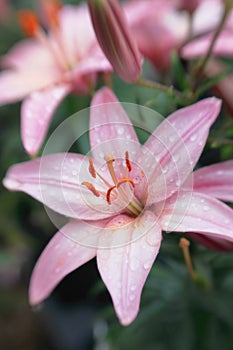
(5, 10)
(223, 47)
(44, 69)
(158, 28)
(123, 197)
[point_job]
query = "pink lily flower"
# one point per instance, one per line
(205, 25)
(44, 69)
(166, 28)
(158, 27)
(122, 197)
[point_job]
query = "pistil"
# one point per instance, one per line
(132, 205)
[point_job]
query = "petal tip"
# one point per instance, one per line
(11, 184)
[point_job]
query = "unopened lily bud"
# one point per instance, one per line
(189, 5)
(115, 38)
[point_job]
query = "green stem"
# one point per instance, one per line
(220, 140)
(169, 90)
(199, 69)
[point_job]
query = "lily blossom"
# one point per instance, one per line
(42, 70)
(121, 197)
(159, 31)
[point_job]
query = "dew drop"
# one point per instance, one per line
(133, 287)
(193, 138)
(132, 297)
(171, 138)
(120, 130)
(146, 265)
(134, 264)
(164, 170)
(206, 208)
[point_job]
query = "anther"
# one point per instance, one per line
(91, 168)
(127, 161)
(51, 9)
(108, 194)
(29, 22)
(91, 188)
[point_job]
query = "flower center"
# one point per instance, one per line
(30, 25)
(122, 188)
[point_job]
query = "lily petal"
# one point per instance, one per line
(15, 85)
(176, 146)
(56, 181)
(124, 269)
(75, 20)
(215, 180)
(111, 131)
(197, 212)
(61, 256)
(199, 47)
(36, 113)
(28, 54)
(214, 243)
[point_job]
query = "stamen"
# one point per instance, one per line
(109, 159)
(109, 193)
(91, 168)
(127, 161)
(91, 188)
(29, 22)
(184, 245)
(51, 9)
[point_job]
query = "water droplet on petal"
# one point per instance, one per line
(133, 287)
(147, 265)
(120, 130)
(206, 208)
(132, 297)
(134, 264)
(193, 138)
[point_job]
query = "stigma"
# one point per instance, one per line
(116, 189)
